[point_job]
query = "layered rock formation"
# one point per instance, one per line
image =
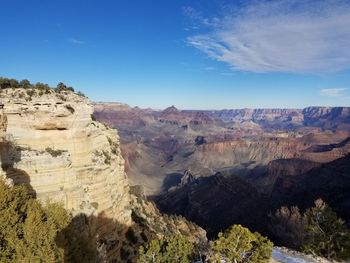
(159, 145)
(64, 156)
(258, 115)
(324, 117)
(50, 143)
(67, 155)
(244, 164)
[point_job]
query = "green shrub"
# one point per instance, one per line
(28, 229)
(81, 94)
(54, 153)
(25, 84)
(318, 231)
(174, 248)
(326, 234)
(30, 92)
(7, 83)
(238, 244)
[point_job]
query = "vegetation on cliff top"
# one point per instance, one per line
(7, 83)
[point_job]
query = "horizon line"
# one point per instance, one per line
(218, 109)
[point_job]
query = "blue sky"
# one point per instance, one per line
(205, 54)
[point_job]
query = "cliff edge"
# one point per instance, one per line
(50, 142)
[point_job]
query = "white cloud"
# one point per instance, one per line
(332, 92)
(279, 36)
(76, 41)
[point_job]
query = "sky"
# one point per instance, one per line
(206, 54)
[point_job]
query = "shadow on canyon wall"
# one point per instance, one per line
(96, 239)
(9, 156)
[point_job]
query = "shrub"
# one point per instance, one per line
(326, 235)
(130, 235)
(62, 87)
(54, 153)
(81, 94)
(28, 229)
(7, 83)
(70, 108)
(41, 86)
(30, 92)
(318, 231)
(25, 84)
(288, 226)
(174, 248)
(107, 157)
(238, 244)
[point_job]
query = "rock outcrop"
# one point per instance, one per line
(65, 156)
(51, 143)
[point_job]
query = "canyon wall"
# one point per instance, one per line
(50, 142)
(52, 145)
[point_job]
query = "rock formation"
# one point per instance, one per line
(65, 156)
(51, 143)
(159, 145)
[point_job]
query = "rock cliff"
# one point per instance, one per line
(65, 156)
(50, 142)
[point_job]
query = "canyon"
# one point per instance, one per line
(129, 175)
(217, 167)
(118, 168)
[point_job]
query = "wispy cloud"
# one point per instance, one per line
(76, 41)
(278, 36)
(332, 92)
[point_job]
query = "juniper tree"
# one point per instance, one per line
(237, 244)
(171, 249)
(28, 230)
(326, 234)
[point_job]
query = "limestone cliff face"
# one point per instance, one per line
(67, 156)
(52, 144)
(49, 141)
